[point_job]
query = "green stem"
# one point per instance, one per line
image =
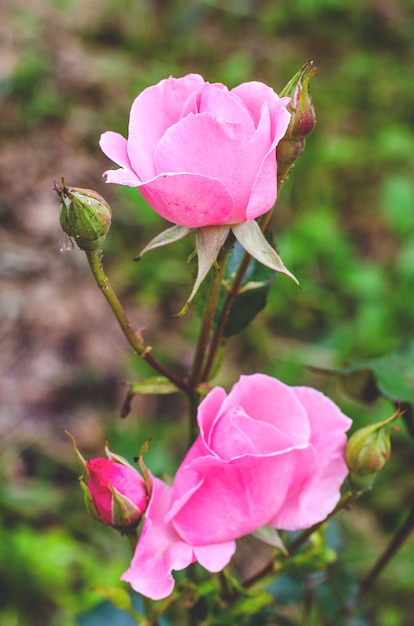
(395, 544)
(231, 296)
(134, 338)
(228, 303)
(348, 498)
(195, 376)
(205, 331)
(194, 401)
(151, 618)
(297, 543)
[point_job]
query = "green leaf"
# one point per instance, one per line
(118, 596)
(252, 297)
(156, 385)
(391, 377)
(336, 593)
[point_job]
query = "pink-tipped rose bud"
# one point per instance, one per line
(367, 452)
(115, 493)
(302, 119)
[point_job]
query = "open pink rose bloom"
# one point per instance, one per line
(201, 154)
(267, 455)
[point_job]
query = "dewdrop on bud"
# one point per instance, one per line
(84, 215)
(302, 119)
(368, 451)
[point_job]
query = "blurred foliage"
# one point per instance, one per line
(344, 225)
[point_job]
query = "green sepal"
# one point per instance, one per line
(123, 510)
(270, 537)
(117, 458)
(252, 296)
(90, 507)
(147, 479)
(170, 235)
(255, 243)
(209, 241)
(85, 471)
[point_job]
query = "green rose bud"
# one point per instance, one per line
(84, 215)
(302, 119)
(367, 452)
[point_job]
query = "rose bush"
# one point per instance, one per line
(267, 454)
(117, 491)
(201, 154)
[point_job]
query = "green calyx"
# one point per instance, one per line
(124, 512)
(84, 215)
(368, 451)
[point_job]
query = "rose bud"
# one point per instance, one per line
(84, 215)
(367, 452)
(302, 119)
(115, 492)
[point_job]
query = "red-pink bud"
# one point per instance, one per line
(302, 119)
(117, 492)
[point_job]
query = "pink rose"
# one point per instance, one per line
(117, 491)
(160, 550)
(267, 454)
(201, 154)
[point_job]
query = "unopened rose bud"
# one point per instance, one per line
(115, 492)
(367, 452)
(84, 215)
(302, 119)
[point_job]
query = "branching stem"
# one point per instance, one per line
(395, 544)
(345, 501)
(134, 338)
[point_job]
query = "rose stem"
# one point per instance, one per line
(151, 618)
(345, 501)
(396, 542)
(231, 296)
(204, 336)
(194, 377)
(134, 338)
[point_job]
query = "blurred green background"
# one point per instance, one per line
(344, 225)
